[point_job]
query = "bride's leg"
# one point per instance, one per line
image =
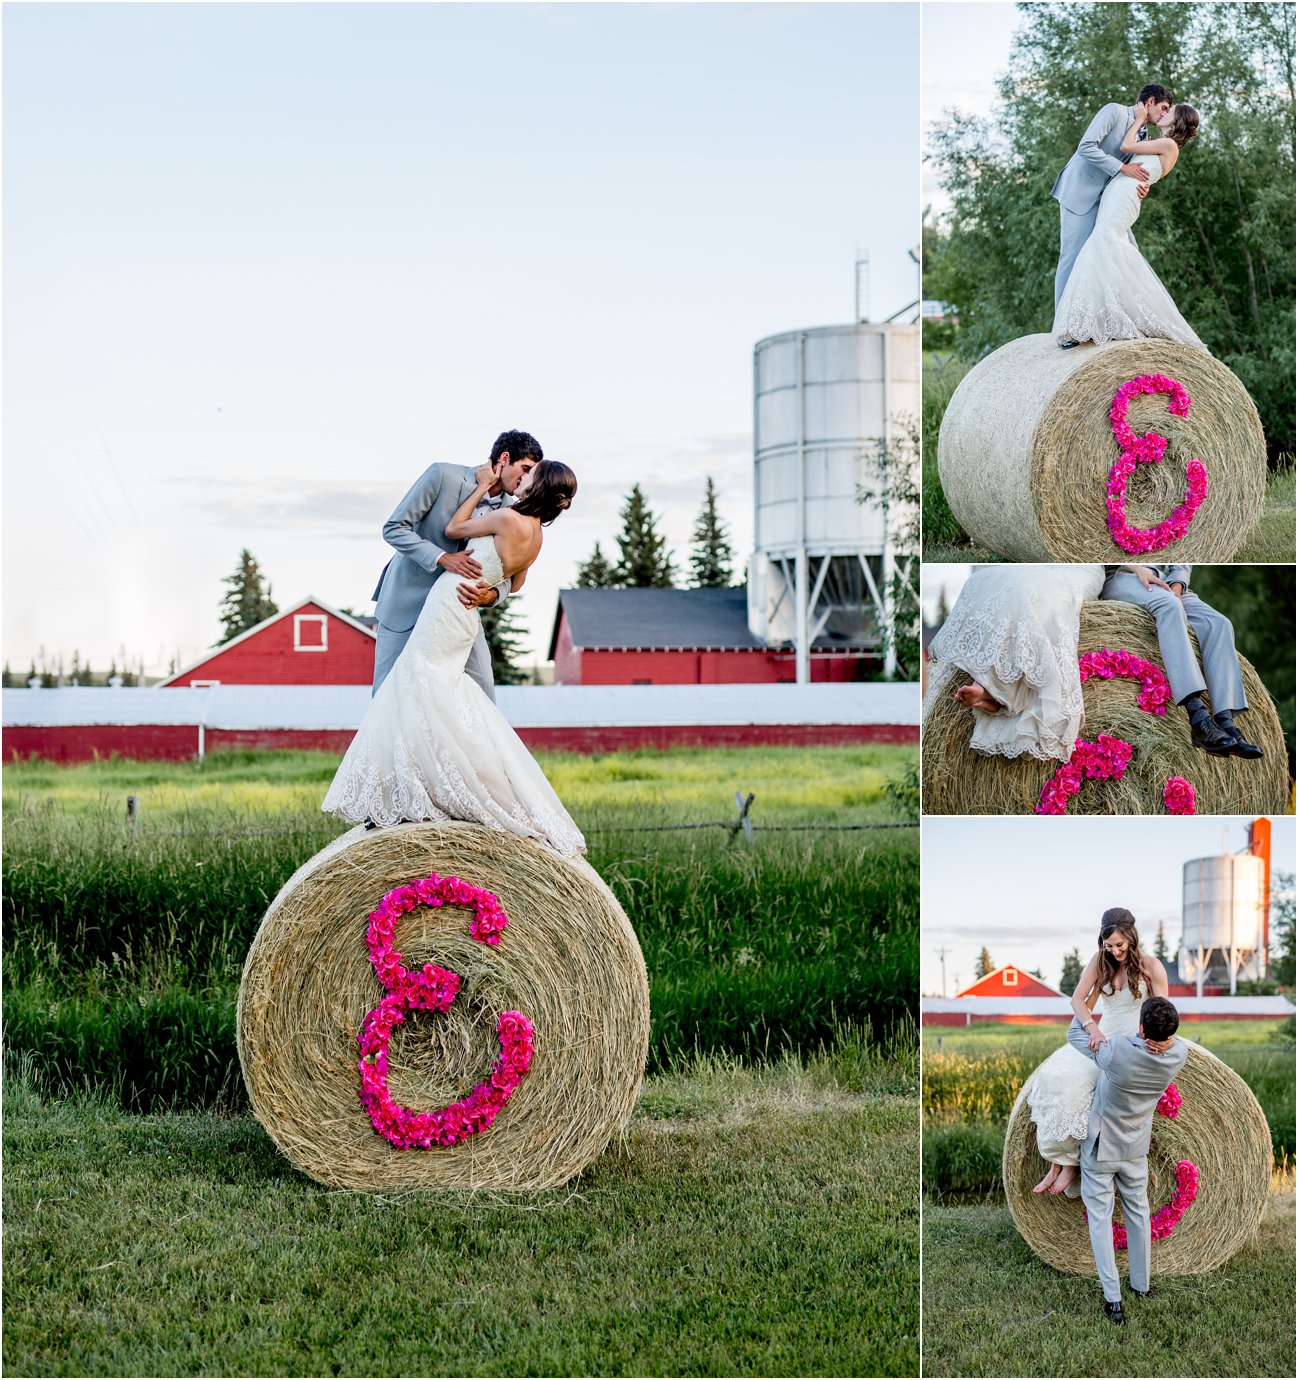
(1051, 1175)
(976, 696)
(1067, 1173)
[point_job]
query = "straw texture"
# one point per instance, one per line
(959, 781)
(1220, 1127)
(569, 960)
(1025, 450)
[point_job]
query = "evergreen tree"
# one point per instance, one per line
(1282, 929)
(504, 635)
(247, 601)
(1160, 944)
(1072, 973)
(645, 562)
(712, 560)
(983, 965)
(10, 680)
(596, 573)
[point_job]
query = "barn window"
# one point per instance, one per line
(202, 684)
(1011, 977)
(310, 632)
(642, 682)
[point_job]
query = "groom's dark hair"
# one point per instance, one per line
(1153, 92)
(520, 445)
(1158, 1018)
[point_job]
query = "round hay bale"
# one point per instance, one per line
(568, 960)
(1220, 1128)
(959, 781)
(1026, 447)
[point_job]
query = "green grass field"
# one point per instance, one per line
(991, 1307)
(756, 1221)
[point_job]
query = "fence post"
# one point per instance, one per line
(133, 810)
(742, 822)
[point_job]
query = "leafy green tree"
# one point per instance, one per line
(892, 473)
(712, 559)
(1221, 232)
(1072, 972)
(1282, 928)
(645, 562)
(247, 600)
(504, 632)
(983, 964)
(595, 573)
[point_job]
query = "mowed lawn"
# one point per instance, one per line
(756, 1221)
(991, 1307)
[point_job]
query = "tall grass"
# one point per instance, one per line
(123, 948)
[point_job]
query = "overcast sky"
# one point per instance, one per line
(966, 50)
(264, 263)
(1033, 889)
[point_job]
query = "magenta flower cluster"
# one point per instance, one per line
(1154, 695)
(1108, 757)
(433, 989)
(1165, 1220)
(1178, 796)
(1170, 1102)
(1148, 449)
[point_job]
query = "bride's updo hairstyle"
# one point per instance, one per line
(551, 491)
(1117, 921)
(1183, 124)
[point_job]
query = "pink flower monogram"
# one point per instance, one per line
(433, 989)
(1148, 450)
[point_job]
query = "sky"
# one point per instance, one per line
(265, 263)
(1033, 889)
(966, 49)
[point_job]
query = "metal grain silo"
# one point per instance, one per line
(1223, 918)
(823, 398)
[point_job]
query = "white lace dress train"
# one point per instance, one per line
(1060, 1092)
(1112, 292)
(433, 746)
(1014, 630)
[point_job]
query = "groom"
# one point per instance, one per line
(1098, 159)
(417, 530)
(1115, 1153)
(1164, 591)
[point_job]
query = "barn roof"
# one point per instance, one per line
(664, 620)
(1029, 986)
(213, 652)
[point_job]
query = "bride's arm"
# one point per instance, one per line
(464, 524)
(1084, 998)
(1157, 976)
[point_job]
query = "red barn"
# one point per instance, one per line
(678, 637)
(309, 644)
(1009, 981)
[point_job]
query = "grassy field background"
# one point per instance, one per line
(761, 1215)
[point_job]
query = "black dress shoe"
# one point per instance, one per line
(1205, 734)
(1113, 1311)
(1069, 344)
(369, 823)
(1240, 746)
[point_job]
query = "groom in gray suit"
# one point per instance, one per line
(417, 530)
(1115, 1152)
(1164, 591)
(1098, 159)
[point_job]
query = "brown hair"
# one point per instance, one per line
(1184, 124)
(1159, 1019)
(551, 491)
(1117, 920)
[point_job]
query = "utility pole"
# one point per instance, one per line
(941, 954)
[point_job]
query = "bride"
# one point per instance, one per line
(1112, 292)
(1115, 983)
(432, 745)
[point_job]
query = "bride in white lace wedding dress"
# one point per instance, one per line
(1112, 292)
(1107, 1000)
(1014, 630)
(432, 745)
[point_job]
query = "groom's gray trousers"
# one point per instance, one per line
(1131, 1179)
(1074, 230)
(1220, 675)
(391, 642)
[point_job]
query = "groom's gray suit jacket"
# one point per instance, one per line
(417, 529)
(1081, 184)
(1115, 1153)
